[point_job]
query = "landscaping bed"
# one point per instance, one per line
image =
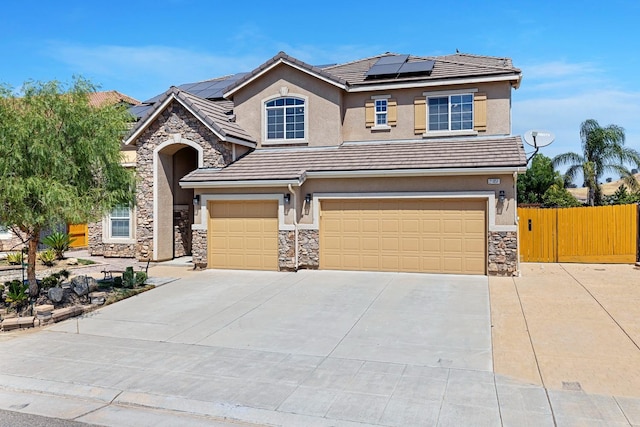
(61, 295)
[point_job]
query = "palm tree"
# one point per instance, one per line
(603, 151)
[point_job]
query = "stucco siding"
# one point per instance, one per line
(354, 129)
(323, 105)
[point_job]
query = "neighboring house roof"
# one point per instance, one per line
(110, 97)
(438, 155)
(212, 114)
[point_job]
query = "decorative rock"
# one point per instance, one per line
(72, 261)
(80, 285)
(98, 298)
(56, 294)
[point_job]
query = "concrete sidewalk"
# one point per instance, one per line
(555, 347)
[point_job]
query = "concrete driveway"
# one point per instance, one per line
(313, 348)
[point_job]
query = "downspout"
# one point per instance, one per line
(515, 203)
(295, 225)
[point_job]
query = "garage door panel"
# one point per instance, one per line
(390, 225)
(410, 244)
(404, 235)
(390, 244)
(431, 225)
(370, 243)
(452, 246)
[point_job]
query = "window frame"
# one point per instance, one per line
(107, 227)
(383, 103)
(448, 94)
(265, 119)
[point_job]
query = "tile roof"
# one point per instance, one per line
(213, 113)
(288, 164)
(446, 67)
(110, 97)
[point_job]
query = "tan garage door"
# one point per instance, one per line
(438, 236)
(243, 235)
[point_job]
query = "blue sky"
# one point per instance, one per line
(580, 59)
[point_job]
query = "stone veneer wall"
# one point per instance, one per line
(109, 250)
(199, 249)
(503, 253)
(309, 249)
(286, 250)
(181, 231)
(175, 119)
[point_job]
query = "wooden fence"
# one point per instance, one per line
(80, 233)
(602, 234)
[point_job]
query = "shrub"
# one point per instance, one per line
(14, 258)
(17, 293)
(59, 242)
(47, 257)
(55, 280)
(117, 282)
(128, 279)
(141, 277)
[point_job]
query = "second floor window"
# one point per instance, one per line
(285, 118)
(381, 112)
(450, 113)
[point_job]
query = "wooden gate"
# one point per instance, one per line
(602, 234)
(80, 233)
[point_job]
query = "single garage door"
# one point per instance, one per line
(243, 235)
(410, 235)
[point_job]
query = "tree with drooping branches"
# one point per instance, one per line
(60, 160)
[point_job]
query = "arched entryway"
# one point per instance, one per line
(173, 205)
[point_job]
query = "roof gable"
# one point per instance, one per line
(283, 58)
(210, 113)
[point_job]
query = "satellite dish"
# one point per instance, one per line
(538, 138)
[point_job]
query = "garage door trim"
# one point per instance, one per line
(489, 195)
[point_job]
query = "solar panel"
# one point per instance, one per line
(397, 65)
(139, 110)
(392, 59)
(417, 67)
(383, 70)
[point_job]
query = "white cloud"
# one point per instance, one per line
(151, 69)
(563, 116)
(558, 96)
(556, 69)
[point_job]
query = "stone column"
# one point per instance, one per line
(503, 253)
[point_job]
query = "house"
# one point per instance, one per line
(388, 163)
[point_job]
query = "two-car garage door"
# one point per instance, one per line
(412, 235)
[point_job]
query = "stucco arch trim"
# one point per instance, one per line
(176, 141)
